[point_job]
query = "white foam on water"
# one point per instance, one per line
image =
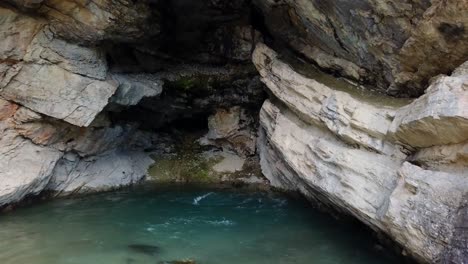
(197, 200)
(223, 222)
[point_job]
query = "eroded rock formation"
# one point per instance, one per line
(90, 89)
(397, 45)
(360, 155)
(77, 86)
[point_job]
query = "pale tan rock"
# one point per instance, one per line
(25, 168)
(231, 129)
(300, 156)
(53, 91)
(326, 61)
(47, 49)
(449, 158)
(7, 109)
(31, 147)
(16, 33)
(230, 163)
(353, 121)
(104, 172)
(422, 210)
(134, 87)
(438, 117)
(48, 75)
(312, 140)
(437, 44)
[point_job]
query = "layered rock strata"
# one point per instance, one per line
(397, 45)
(66, 87)
(374, 161)
(80, 79)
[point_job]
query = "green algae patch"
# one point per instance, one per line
(191, 162)
(183, 167)
(197, 83)
(188, 164)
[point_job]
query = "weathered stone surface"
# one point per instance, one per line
(25, 168)
(438, 117)
(422, 210)
(313, 160)
(449, 158)
(457, 252)
(233, 130)
(313, 137)
(318, 137)
(354, 121)
(48, 75)
(53, 91)
(16, 33)
(437, 44)
(399, 43)
(97, 158)
(195, 90)
(134, 87)
(98, 173)
(27, 4)
(47, 49)
(94, 21)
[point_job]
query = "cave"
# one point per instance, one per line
(243, 131)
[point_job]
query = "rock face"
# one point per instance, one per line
(50, 76)
(89, 89)
(67, 86)
(232, 129)
(40, 153)
(401, 44)
(352, 154)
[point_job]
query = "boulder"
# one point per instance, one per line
(25, 168)
(439, 117)
(106, 171)
(232, 129)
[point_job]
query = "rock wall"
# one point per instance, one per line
(396, 45)
(368, 158)
(80, 80)
(77, 86)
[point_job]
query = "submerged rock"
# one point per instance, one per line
(183, 261)
(145, 249)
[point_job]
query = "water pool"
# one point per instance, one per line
(199, 225)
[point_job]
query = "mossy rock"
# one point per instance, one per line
(197, 84)
(185, 166)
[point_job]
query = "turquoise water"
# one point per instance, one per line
(204, 225)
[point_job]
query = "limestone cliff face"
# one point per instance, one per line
(84, 85)
(78, 79)
(370, 158)
(397, 45)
